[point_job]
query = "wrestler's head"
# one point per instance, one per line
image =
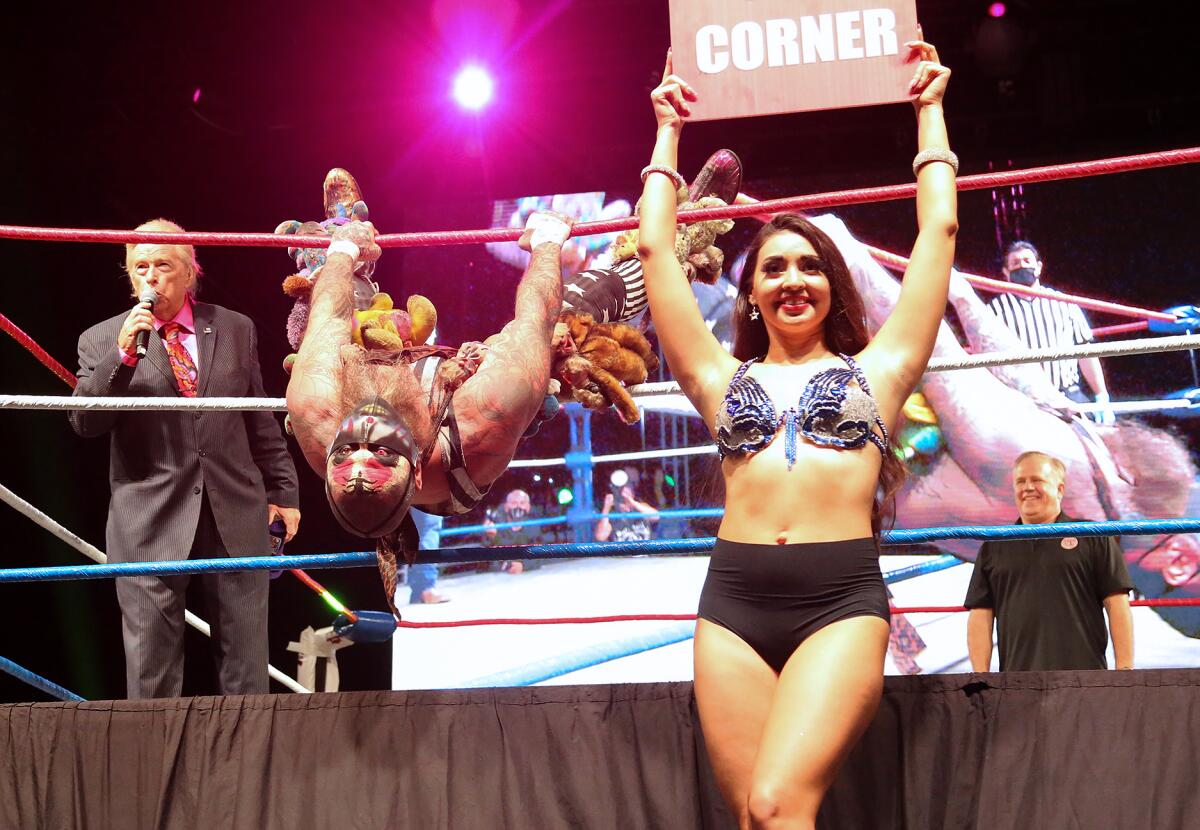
(1039, 484)
(171, 270)
(798, 280)
(372, 470)
(1022, 263)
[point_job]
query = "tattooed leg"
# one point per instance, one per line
(496, 405)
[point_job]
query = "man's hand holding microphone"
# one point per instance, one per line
(134, 337)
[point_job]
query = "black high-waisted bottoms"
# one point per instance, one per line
(776, 596)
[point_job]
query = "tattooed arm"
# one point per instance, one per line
(315, 385)
(495, 406)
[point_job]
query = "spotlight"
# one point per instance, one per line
(619, 478)
(997, 10)
(537, 477)
(473, 87)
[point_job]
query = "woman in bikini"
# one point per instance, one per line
(793, 624)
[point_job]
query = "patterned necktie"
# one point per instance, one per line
(181, 362)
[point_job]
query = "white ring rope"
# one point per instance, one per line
(148, 404)
(618, 456)
(1145, 345)
(96, 555)
(1117, 348)
(1131, 407)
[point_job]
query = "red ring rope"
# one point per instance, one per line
(1120, 328)
(980, 181)
(1001, 287)
(37, 351)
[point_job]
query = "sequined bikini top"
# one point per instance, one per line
(831, 413)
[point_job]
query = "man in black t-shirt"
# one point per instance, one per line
(1046, 595)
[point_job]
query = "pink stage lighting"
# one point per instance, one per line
(473, 88)
(997, 10)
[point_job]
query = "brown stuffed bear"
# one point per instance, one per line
(595, 361)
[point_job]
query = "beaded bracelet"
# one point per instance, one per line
(673, 175)
(934, 154)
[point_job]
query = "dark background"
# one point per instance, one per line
(101, 131)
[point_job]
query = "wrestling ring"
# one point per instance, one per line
(448, 758)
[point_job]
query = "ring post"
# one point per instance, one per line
(579, 462)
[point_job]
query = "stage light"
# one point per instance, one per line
(565, 496)
(537, 477)
(473, 88)
(619, 478)
(997, 10)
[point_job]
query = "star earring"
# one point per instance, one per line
(754, 315)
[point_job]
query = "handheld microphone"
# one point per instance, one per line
(148, 295)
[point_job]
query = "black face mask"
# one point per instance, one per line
(1022, 276)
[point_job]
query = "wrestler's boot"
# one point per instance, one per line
(617, 294)
(721, 176)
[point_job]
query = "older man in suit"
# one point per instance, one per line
(186, 484)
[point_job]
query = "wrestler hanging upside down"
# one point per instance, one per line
(381, 441)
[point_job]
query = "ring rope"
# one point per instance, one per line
(1132, 407)
(899, 263)
(96, 555)
(1150, 345)
(1146, 345)
(31, 345)
(617, 456)
(1120, 328)
(1141, 527)
(982, 181)
(38, 682)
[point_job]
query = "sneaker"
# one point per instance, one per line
(721, 176)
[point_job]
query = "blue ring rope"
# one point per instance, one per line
(37, 681)
(1144, 527)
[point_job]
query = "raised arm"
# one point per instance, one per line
(315, 385)
(694, 356)
(904, 343)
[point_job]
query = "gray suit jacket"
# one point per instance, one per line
(161, 462)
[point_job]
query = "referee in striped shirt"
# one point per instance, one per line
(1045, 323)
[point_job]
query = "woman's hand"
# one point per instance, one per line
(670, 98)
(929, 81)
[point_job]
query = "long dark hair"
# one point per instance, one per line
(845, 330)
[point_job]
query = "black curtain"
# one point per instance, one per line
(1037, 750)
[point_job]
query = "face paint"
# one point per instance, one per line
(367, 473)
(375, 423)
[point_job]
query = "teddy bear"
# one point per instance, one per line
(594, 362)
(378, 324)
(699, 257)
